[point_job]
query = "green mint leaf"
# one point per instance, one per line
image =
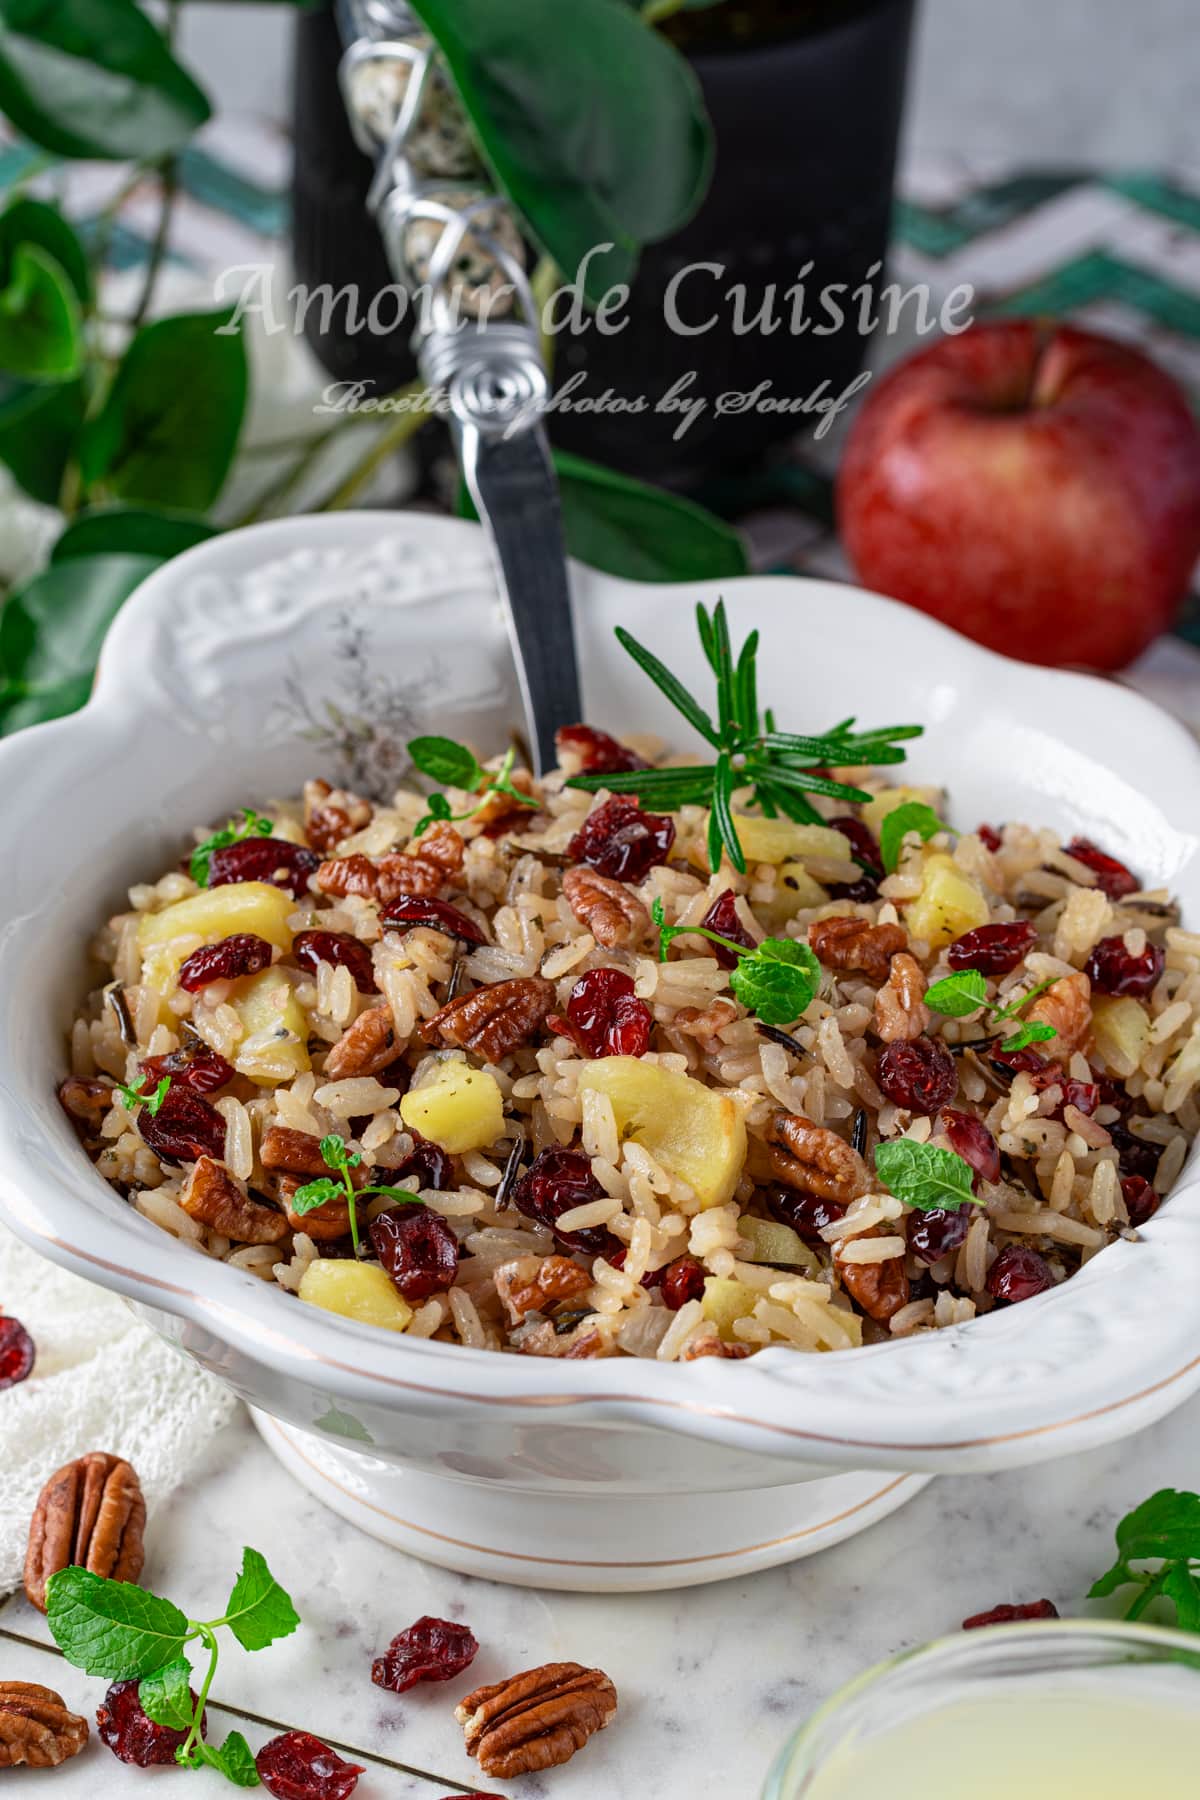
(1015, 1006)
(154, 1103)
(1181, 1584)
(253, 825)
(315, 1193)
(958, 995)
(923, 1175)
(669, 686)
(1167, 1525)
(234, 1759)
(112, 1628)
(778, 981)
(166, 1695)
(259, 1611)
(1029, 1034)
(333, 1151)
(133, 1097)
(445, 761)
(912, 816)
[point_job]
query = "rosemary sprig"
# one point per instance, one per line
(781, 769)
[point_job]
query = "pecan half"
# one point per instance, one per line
(849, 943)
(368, 1046)
(707, 1024)
(331, 814)
(714, 1346)
(1068, 1007)
(499, 810)
(293, 1152)
(528, 1285)
(815, 1160)
(879, 1288)
(91, 1515)
(613, 915)
(85, 1102)
(211, 1195)
(900, 1009)
(537, 1720)
(324, 1223)
(494, 1020)
(36, 1728)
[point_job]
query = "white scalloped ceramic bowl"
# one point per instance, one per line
(321, 644)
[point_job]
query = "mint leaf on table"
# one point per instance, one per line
(912, 816)
(234, 1758)
(166, 1696)
(778, 981)
(259, 1611)
(1163, 1529)
(958, 995)
(112, 1628)
(924, 1175)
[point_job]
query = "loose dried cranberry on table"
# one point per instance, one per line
(1112, 877)
(1141, 1201)
(132, 1734)
(429, 1163)
(1018, 1273)
(407, 911)
(970, 1138)
(934, 1234)
(722, 917)
(621, 841)
(556, 1182)
(1135, 1155)
(918, 1074)
(605, 1016)
(1112, 969)
(1012, 1615)
(993, 949)
(807, 1214)
(298, 1766)
(339, 948)
(273, 860)
(682, 1280)
(184, 1128)
(17, 1352)
(196, 1065)
(598, 753)
(430, 1650)
(417, 1249)
(241, 954)
(989, 837)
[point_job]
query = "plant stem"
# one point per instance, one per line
(158, 250)
(209, 1639)
(406, 427)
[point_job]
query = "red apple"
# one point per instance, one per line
(1038, 488)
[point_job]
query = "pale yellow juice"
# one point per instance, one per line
(1058, 1746)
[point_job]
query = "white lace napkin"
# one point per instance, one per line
(102, 1381)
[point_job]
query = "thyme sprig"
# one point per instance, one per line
(341, 1160)
(780, 768)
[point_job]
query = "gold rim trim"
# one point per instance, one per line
(239, 1324)
(567, 1562)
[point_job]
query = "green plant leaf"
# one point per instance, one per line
(112, 1628)
(669, 685)
(778, 981)
(166, 1695)
(594, 126)
(259, 1610)
(28, 221)
(41, 330)
(131, 531)
(234, 1759)
(1035, 1033)
(444, 760)
(94, 78)
(1167, 1525)
(168, 430)
(923, 1175)
(958, 995)
(39, 428)
(51, 631)
(912, 816)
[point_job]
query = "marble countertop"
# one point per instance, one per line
(712, 1680)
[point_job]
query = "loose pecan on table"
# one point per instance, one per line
(815, 1160)
(879, 1288)
(536, 1720)
(1067, 1006)
(850, 943)
(366, 1047)
(331, 814)
(494, 1020)
(900, 1009)
(211, 1195)
(90, 1515)
(36, 1729)
(613, 915)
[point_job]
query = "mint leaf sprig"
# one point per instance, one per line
(780, 768)
(961, 994)
(132, 1098)
(912, 816)
(122, 1632)
(777, 981)
(924, 1175)
(252, 825)
(1165, 1529)
(451, 763)
(317, 1193)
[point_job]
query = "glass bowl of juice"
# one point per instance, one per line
(1048, 1711)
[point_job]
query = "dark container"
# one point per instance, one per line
(807, 123)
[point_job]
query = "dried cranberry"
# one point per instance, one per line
(1023, 1062)
(17, 1352)
(429, 1163)
(862, 842)
(1141, 1201)
(653, 1278)
(1084, 1096)
(184, 1128)
(274, 860)
(934, 1234)
(605, 1016)
(1012, 1615)
(918, 1074)
(196, 1066)
(555, 1182)
(430, 1650)
(807, 1214)
(407, 911)
(418, 1251)
(132, 1734)
(241, 954)
(1018, 1273)
(865, 889)
(598, 753)
(993, 949)
(340, 948)
(1113, 1093)
(298, 1766)
(1112, 877)
(970, 1138)
(683, 1280)
(1112, 969)
(621, 841)
(722, 917)
(1136, 1155)
(989, 837)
